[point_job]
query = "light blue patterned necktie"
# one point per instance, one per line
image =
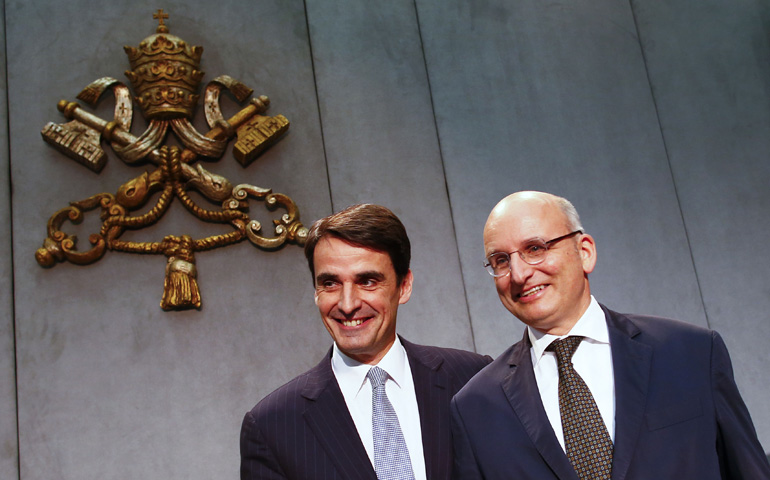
(391, 457)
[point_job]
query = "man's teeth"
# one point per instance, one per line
(532, 291)
(352, 323)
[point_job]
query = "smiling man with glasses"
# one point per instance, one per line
(589, 393)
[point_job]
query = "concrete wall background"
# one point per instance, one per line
(653, 119)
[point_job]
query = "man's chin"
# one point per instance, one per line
(535, 319)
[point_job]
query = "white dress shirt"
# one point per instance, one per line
(357, 391)
(592, 361)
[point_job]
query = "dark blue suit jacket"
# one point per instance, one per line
(303, 430)
(678, 413)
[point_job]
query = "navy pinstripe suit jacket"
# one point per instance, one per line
(303, 429)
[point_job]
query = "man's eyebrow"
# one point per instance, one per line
(529, 240)
(523, 243)
(372, 274)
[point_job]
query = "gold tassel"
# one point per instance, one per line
(180, 288)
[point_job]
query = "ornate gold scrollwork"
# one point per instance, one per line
(165, 74)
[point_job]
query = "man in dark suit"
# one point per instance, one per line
(375, 401)
(590, 393)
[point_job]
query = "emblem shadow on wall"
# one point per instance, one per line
(165, 75)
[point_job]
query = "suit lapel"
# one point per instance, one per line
(327, 416)
(631, 368)
(520, 388)
(432, 391)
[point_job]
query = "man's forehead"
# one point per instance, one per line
(521, 223)
(339, 257)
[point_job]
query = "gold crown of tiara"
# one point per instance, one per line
(165, 74)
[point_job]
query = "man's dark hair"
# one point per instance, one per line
(364, 225)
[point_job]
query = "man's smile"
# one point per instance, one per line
(352, 323)
(531, 291)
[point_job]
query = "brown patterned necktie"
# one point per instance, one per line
(588, 445)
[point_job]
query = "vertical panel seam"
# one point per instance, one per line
(318, 105)
(12, 293)
(668, 162)
(443, 170)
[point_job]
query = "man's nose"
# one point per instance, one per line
(520, 270)
(349, 300)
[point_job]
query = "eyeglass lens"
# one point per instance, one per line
(533, 253)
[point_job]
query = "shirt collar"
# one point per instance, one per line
(591, 325)
(351, 374)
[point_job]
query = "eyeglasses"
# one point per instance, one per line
(533, 253)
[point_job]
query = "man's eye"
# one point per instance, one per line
(368, 282)
(534, 249)
(327, 285)
(500, 261)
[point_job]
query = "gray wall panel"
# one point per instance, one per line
(9, 465)
(555, 98)
(715, 113)
(382, 148)
(110, 386)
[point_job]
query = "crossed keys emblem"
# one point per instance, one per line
(165, 74)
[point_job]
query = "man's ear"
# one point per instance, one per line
(406, 288)
(587, 249)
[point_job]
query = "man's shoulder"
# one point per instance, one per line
(488, 380)
(445, 355)
(658, 328)
(286, 398)
(501, 365)
(671, 341)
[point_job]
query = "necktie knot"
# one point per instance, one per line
(564, 348)
(377, 376)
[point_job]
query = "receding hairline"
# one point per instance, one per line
(567, 209)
